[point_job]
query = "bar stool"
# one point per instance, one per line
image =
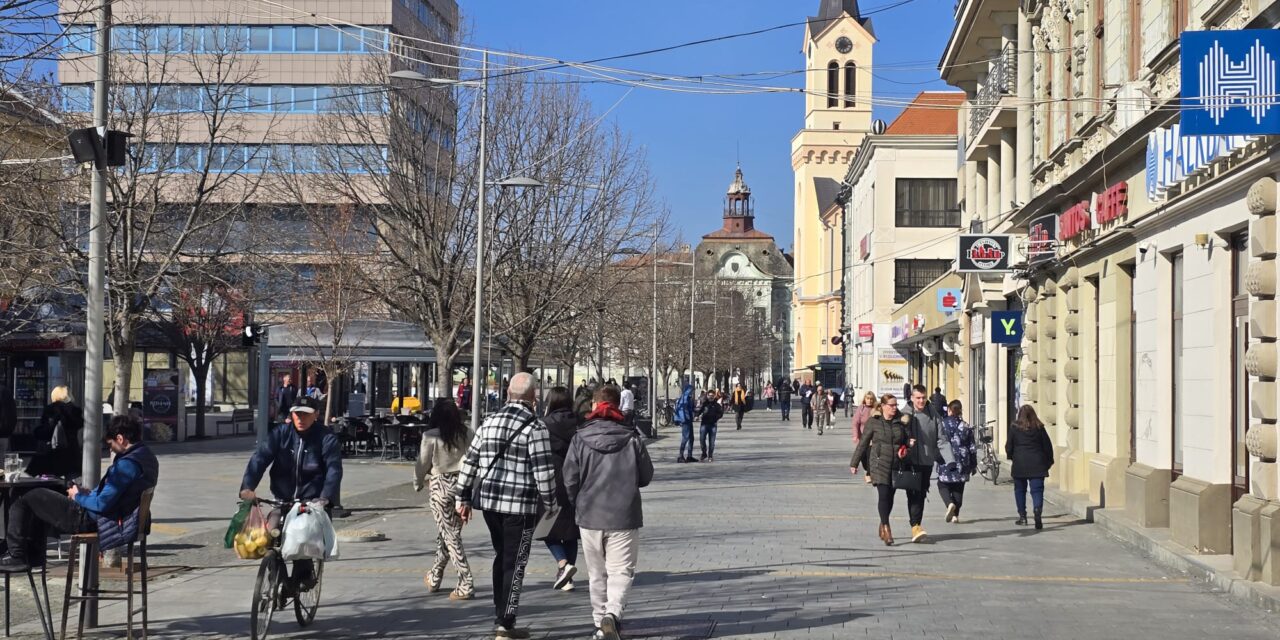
(91, 592)
(45, 610)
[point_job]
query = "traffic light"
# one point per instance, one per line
(252, 334)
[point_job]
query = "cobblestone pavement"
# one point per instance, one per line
(772, 540)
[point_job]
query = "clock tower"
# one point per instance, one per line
(837, 50)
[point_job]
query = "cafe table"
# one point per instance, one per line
(10, 490)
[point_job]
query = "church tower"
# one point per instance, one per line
(838, 61)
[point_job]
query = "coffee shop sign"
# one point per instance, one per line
(1094, 212)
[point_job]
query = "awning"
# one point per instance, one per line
(363, 340)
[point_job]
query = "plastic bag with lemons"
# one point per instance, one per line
(253, 539)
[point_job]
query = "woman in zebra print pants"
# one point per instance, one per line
(444, 443)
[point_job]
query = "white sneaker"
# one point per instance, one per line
(564, 576)
(568, 586)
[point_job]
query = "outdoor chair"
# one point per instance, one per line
(92, 592)
(44, 608)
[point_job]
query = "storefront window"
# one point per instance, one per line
(978, 381)
(1239, 377)
(1176, 285)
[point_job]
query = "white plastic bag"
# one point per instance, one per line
(308, 535)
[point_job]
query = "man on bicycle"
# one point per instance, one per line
(306, 464)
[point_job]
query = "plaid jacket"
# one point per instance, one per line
(524, 478)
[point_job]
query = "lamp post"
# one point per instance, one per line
(477, 321)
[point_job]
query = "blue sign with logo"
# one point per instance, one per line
(949, 300)
(1006, 327)
(1229, 82)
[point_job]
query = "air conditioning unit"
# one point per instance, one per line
(1132, 102)
(929, 348)
(949, 343)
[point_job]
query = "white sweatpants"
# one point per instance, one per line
(611, 566)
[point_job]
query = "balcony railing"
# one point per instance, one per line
(1002, 78)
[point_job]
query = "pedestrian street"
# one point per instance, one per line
(774, 539)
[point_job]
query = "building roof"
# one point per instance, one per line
(831, 10)
(932, 113)
(826, 190)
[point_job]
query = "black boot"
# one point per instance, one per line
(1022, 519)
(1039, 524)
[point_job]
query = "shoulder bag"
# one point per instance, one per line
(502, 451)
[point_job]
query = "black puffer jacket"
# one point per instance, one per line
(1031, 452)
(880, 439)
(562, 424)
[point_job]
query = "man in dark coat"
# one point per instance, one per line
(784, 401)
(285, 397)
(923, 427)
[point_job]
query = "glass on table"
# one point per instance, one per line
(12, 465)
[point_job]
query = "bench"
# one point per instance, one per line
(238, 417)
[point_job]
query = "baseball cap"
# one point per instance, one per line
(305, 404)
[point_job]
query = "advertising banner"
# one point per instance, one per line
(161, 404)
(891, 372)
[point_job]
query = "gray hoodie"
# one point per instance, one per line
(603, 472)
(928, 433)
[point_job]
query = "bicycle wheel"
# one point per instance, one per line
(990, 467)
(265, 595)
(666, 420)
(305, 605)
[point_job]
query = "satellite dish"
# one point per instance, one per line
(877, 127)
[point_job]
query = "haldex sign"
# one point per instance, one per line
(1093, 212)
(1173, 157)
(983, 253)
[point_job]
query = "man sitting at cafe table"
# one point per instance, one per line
(111, 509)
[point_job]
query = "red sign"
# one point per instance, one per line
(1074, 221)
(864, 246)
(1113, 203)
(866, 330)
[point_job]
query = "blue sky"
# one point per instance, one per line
(693, 140)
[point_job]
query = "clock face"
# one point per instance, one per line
(844, 45)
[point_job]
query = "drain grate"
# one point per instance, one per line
(670, 628)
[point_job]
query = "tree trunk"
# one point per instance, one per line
(122, 362)
(444, 377)
(201, 372)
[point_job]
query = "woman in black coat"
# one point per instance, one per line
(883, 444)
(63, 459)
(562, 541)
(1031, 451)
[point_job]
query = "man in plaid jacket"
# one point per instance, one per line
(510, 469)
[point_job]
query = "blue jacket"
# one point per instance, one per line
(684, 406)
(114, 503)
(305, 466)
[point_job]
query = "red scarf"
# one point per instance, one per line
(606, 411)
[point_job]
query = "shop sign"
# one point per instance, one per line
(1229, 82)
(984, 253)
(1113, 204)
(900, 329)
(1006, 327)
(1092, 213)
(1074, 221)
(864, 247)
(1173, 157)
(161, 403)
(866, 331)
(1042, 238)
(976, 325)
(949, 300)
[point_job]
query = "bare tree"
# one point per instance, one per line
(179, 205)
(203, 321)
(557, 245)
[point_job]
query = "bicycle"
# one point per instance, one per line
(988, 463)
(267, 596)
(667, 414)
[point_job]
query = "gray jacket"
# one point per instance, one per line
(926, 428)
(605, 468)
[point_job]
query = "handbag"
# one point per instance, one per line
(910, 479)
(502, 451)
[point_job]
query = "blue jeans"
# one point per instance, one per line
(709, 440)
(563, 550)
(686, 439)
(785, 408)
(1020, 486)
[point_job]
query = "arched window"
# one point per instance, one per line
(833, 84)
(850, 84)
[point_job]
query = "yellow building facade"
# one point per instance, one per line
(838, 58)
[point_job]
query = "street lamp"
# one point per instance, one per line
(477, 328)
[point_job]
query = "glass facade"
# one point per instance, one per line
(160, 38)
(170, 98)
(260, 158)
